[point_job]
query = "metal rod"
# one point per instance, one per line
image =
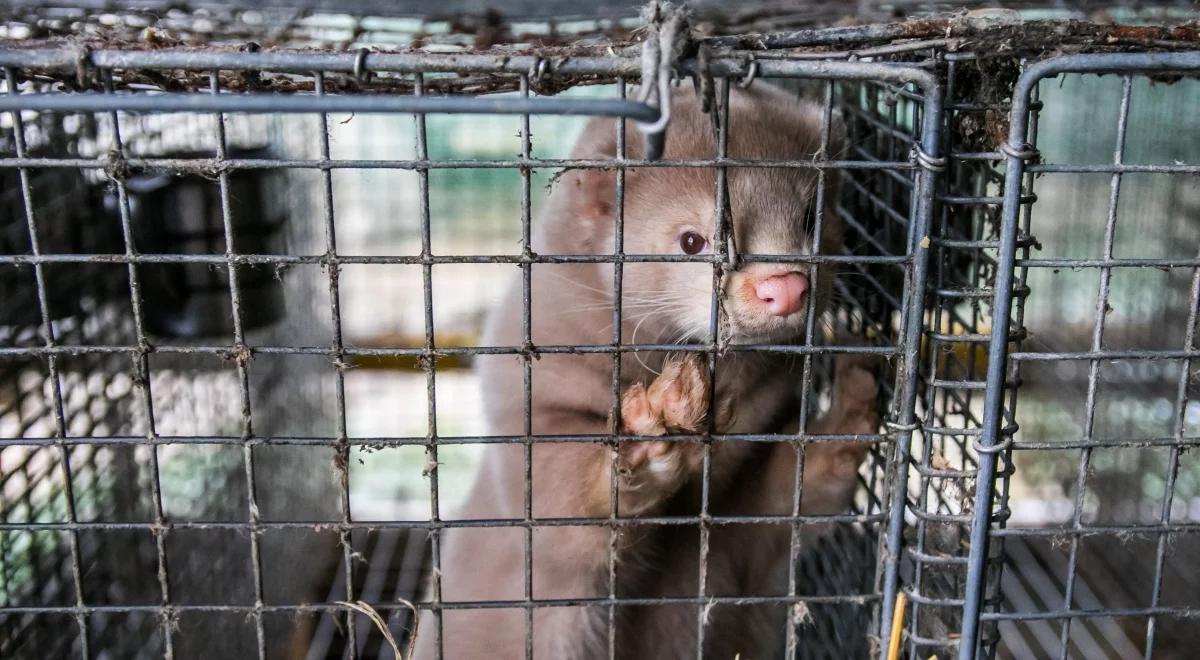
(242, 355)
(432, 440)
(909, 373)
(69, 59)
(295, 103)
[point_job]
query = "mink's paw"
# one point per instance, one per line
(855, 392)
(676, 402)
(831, 468)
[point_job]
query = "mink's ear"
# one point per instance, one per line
(592, 195)
(598, 139)
(592, 192)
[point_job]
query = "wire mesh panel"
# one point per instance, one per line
(963, 239)
(207, 270)
(1110, 437)
(109, 409)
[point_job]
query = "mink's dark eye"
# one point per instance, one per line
(691, 242)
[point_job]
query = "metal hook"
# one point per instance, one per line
(1023, 151)
(751, 74)
(360, 65)
(83, 64)
(539, 68)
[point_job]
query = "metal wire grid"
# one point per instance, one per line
(966, 260)
(241, 353)
(943, 462)
(34, 567)
(997, 437)
(111, 481)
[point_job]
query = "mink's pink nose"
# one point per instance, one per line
(783, 294)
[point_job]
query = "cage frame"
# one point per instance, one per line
(924, 161)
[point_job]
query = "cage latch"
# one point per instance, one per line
(662, 48)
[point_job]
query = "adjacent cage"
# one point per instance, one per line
(1111, 441)
(243, 288)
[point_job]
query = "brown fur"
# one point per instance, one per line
(571, 394)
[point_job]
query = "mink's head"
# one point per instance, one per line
(670, 211)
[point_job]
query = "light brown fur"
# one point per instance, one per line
(571, 394)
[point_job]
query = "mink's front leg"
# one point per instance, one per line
(572, 561)
(831, 468)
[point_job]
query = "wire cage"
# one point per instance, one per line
(245, 257)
